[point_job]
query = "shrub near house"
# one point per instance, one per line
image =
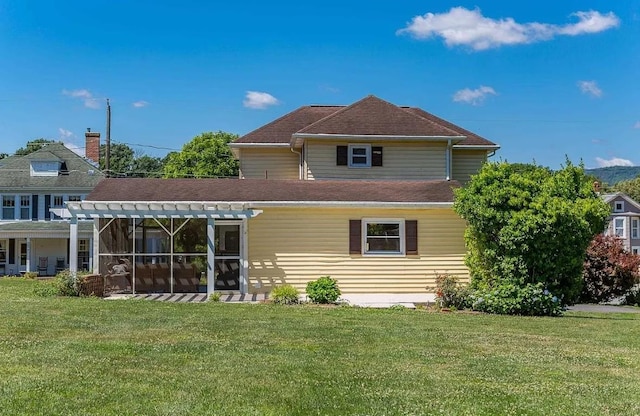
(529, 225)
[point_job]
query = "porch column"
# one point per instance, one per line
(244, 266)
(211, 255)
(73, 245)
(90, 266)
(28, 254)
(95, 246)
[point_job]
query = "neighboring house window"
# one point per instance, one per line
(3, 251)
(23, 254)
(618, 206)
(387, 236)
(8, 207)
(75, 198)
(359, 155)
(25, 207)
(57, 202)
(635, 250)
(619, 225)
(635, 227)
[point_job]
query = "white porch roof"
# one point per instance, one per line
(159, 209)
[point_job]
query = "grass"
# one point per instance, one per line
(91, 356)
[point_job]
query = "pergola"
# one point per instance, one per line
(211, 211)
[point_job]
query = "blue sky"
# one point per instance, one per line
(543, 79)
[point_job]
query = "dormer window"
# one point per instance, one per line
(618, 206)
(44, 168)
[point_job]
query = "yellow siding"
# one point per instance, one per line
(401, 160)
(466, 163)
(258, 163)
(296, 245)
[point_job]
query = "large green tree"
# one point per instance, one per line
(529, 224)
(206, 156)
(121, 159)
(630, 187)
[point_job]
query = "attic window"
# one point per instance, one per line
(618, 206)
(359, 155)
(42, 168)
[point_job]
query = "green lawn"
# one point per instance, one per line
(90, 356)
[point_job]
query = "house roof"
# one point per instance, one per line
(369, 116)
(608, 198)
(15, 172)
(272, 190)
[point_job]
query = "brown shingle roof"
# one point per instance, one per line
(280, 130)
(373, 116)
(257, 190)
(472, 138)
(369, 116)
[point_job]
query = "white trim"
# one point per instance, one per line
(239, 145)
(635, 227)
(373, 137)
(476, 147)
(401, 225)
(616, 204)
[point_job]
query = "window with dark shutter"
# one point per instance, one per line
(342, 155)
(376, 156)
(47, 205)
(34, 207)
(12, 251)
(355, 237)
(411, 236)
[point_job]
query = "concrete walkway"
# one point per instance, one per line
(603, 308)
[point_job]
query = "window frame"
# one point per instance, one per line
(635, 227)
(401, 237)
(615, 206)
(623, 227)
(12, 198)
(367, 155)
(635, 250)
(22, 206)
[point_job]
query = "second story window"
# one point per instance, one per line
(75, 198)
(8, 207)
(359, 155)
(25, 207)
(619, 225)
(57, 202)
(635, 227)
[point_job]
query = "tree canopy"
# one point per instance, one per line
(206, 156)
(528, 224)
(33, 145)
(630, 187)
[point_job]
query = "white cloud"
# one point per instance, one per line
(590, 88)
(140, 104)
(637, 125)
(463, 27)
(259, 100)
(473, 97)
(614, 161)
(64, 134)
(89, 100)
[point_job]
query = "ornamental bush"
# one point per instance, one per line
(509, 299)
(323, 290)
(528, 224)
(450, 293)
(285, 295)
(609, 270)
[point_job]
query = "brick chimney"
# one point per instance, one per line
(92, 145)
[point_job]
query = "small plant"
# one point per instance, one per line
(397, 307)
(66, 284)
(214, 297)
(323, 290)
(31, 275)
(285, 295)
(509, 299)
(450, 293)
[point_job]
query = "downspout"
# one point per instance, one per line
(300, 162)
(490, 154)
(448, 160)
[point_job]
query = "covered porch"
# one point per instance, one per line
(166, 247)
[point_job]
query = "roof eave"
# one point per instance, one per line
(298, 138)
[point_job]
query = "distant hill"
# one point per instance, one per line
(614, 174)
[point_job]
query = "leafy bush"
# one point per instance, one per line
(509, 299)
(323, 290)
(31, 275)
(609, 270)
(529, 224)
(450, 293)
(633, 297)
(285, 295)
(214, 297)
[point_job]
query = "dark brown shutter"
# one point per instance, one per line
(355, 237)
(34, 207)
(411, 236)
(12, 251)
(376, 156)
(342, 155)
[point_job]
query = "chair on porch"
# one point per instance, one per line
(60, 266)
(43, 266)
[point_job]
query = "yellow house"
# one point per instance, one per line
(362, 193)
